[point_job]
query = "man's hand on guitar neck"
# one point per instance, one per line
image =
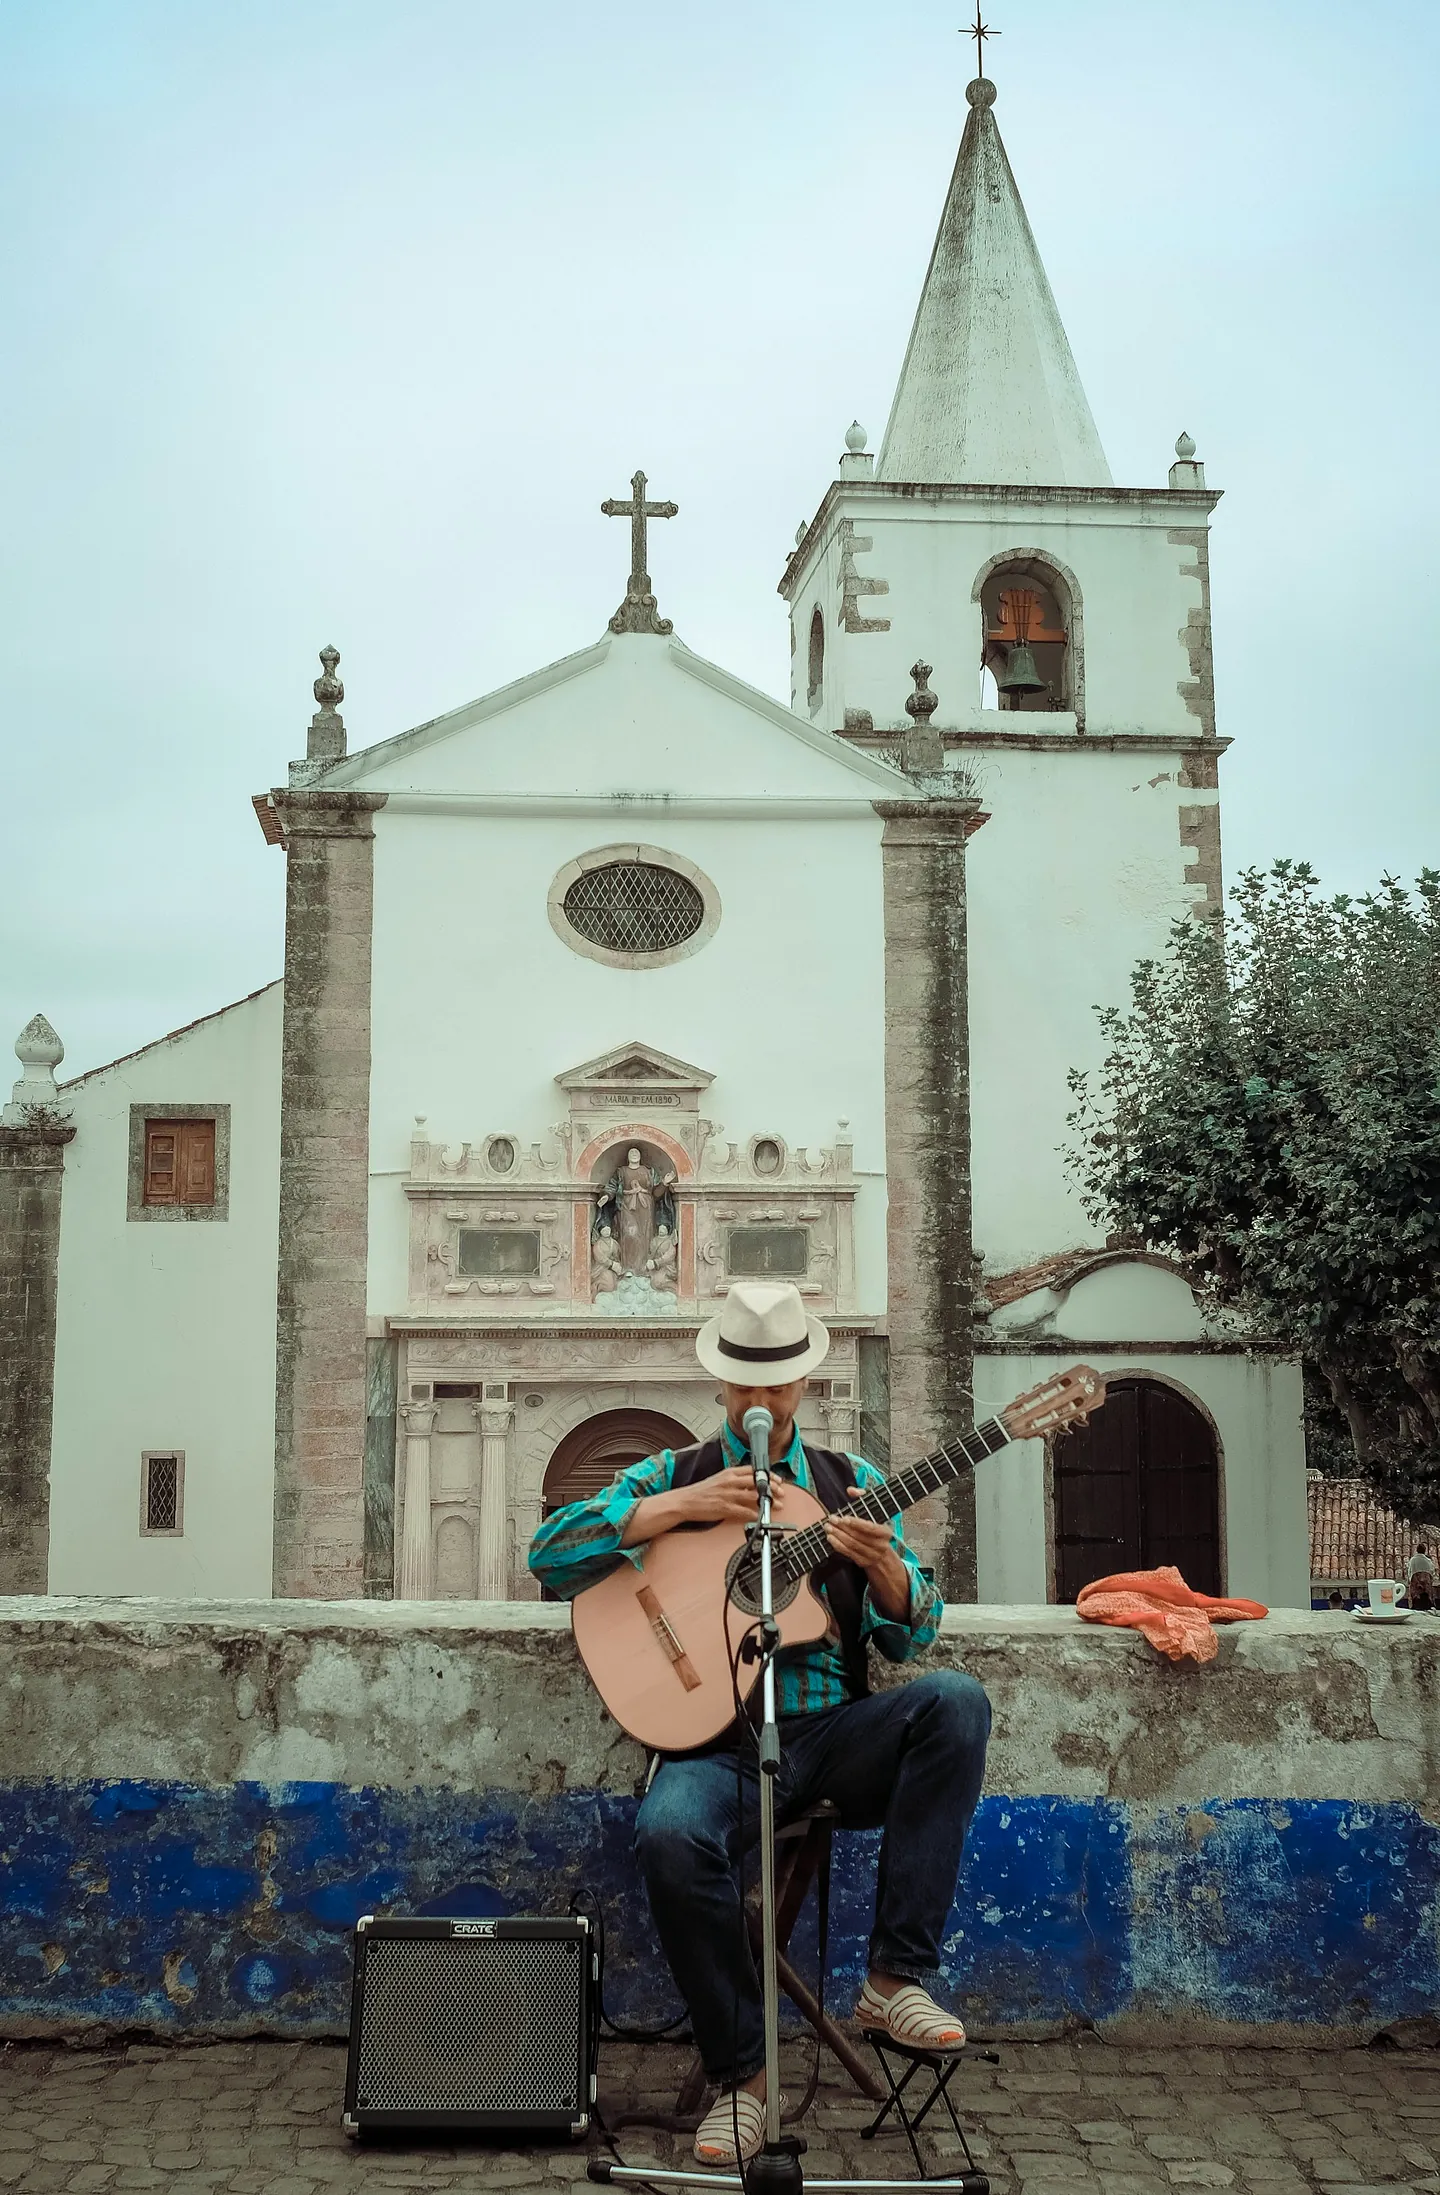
(729, 1496)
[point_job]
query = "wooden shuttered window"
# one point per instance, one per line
(179, 1162)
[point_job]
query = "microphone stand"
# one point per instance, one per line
(776, 2169)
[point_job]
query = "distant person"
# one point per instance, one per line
(1420, 1578)
(1337, 1598)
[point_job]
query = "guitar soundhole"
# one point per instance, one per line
(742, 1584)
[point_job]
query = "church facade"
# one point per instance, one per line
(629, 981)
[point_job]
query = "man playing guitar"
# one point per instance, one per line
(909, 1760)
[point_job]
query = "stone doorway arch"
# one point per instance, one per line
(1136, 1486)
(592, 1452)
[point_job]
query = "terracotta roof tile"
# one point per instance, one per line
(1354, 1536)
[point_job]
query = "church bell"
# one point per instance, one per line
(1020, 675)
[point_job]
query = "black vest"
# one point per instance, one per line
(844, 1582)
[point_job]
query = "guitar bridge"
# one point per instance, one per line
(670, 1645)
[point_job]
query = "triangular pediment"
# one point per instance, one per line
(637, 1067)
(631, 714)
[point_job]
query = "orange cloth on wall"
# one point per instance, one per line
(1174, 1618)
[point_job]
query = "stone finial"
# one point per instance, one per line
(980, 92)
(922, 752)
(328, 690)
(1187, 471)
(801, 530)
(326, 743)
(922, 704)
(39, 1052)
(857, 462)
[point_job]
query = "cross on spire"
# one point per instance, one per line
(636, 613)
(979, 32)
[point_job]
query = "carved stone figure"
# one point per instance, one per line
(638, 1195)
(662, 1264)
(604, 1262)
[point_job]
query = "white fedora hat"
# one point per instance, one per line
(764, 1337)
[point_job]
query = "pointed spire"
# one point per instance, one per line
(988, 391)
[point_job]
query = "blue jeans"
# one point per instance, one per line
(909, 1761)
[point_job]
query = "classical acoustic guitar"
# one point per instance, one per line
(660, 1637)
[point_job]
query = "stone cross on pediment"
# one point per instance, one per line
(637, 613)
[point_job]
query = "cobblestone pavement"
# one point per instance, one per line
(1079, 2118)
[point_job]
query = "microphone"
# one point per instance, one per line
(759, 1425)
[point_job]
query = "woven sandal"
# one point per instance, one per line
(911, 2018)
(715, 2135)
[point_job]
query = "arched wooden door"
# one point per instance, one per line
(591, 1453)
(1136, 1486)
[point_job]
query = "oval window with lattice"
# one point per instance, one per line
(633, 906)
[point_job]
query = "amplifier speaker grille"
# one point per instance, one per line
(463, 2025)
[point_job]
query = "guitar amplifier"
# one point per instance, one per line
(486, 2026)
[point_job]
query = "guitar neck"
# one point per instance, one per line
(809, 1549)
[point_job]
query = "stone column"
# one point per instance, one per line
(415, 1571)
(839, 1425)
(382, 1361)
(320, 1387)
(496, 1419)
(927, 1160)
(33, 1134)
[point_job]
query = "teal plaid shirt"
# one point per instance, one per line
(581, 1544)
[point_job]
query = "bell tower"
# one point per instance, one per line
(988, 537)
(1065, 626)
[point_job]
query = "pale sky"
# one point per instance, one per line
(335, 320)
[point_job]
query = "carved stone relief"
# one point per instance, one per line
(632, 1208)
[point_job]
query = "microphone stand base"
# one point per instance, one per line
(608, 2174)
(776, 2171)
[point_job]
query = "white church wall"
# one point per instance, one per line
(1115, 1302)
(1255, 1406)
(784, 1005)
(477, 1003)
(166, 1330)
(1077, 876)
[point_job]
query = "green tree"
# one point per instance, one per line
(1268, 1112)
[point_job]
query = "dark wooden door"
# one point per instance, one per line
(590, 1455)
(1135, 1487)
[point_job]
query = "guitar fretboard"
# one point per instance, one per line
(809, 1549)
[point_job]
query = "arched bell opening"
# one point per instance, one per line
(815, 682)
(1028, 639)
(1135, 1487)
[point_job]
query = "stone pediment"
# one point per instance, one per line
(631, 1073)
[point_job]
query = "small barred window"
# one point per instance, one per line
(162, 1494)
(634, 907)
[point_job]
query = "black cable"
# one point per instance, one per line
(619, 2032)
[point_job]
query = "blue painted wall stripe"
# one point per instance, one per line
(187, 1907)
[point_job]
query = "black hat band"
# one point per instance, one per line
(746, 1355)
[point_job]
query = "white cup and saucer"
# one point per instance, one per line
(1383, 1595)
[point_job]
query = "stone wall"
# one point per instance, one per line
(32, 1160)
(199, 1800)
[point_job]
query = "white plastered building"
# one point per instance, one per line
(357, 1333)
